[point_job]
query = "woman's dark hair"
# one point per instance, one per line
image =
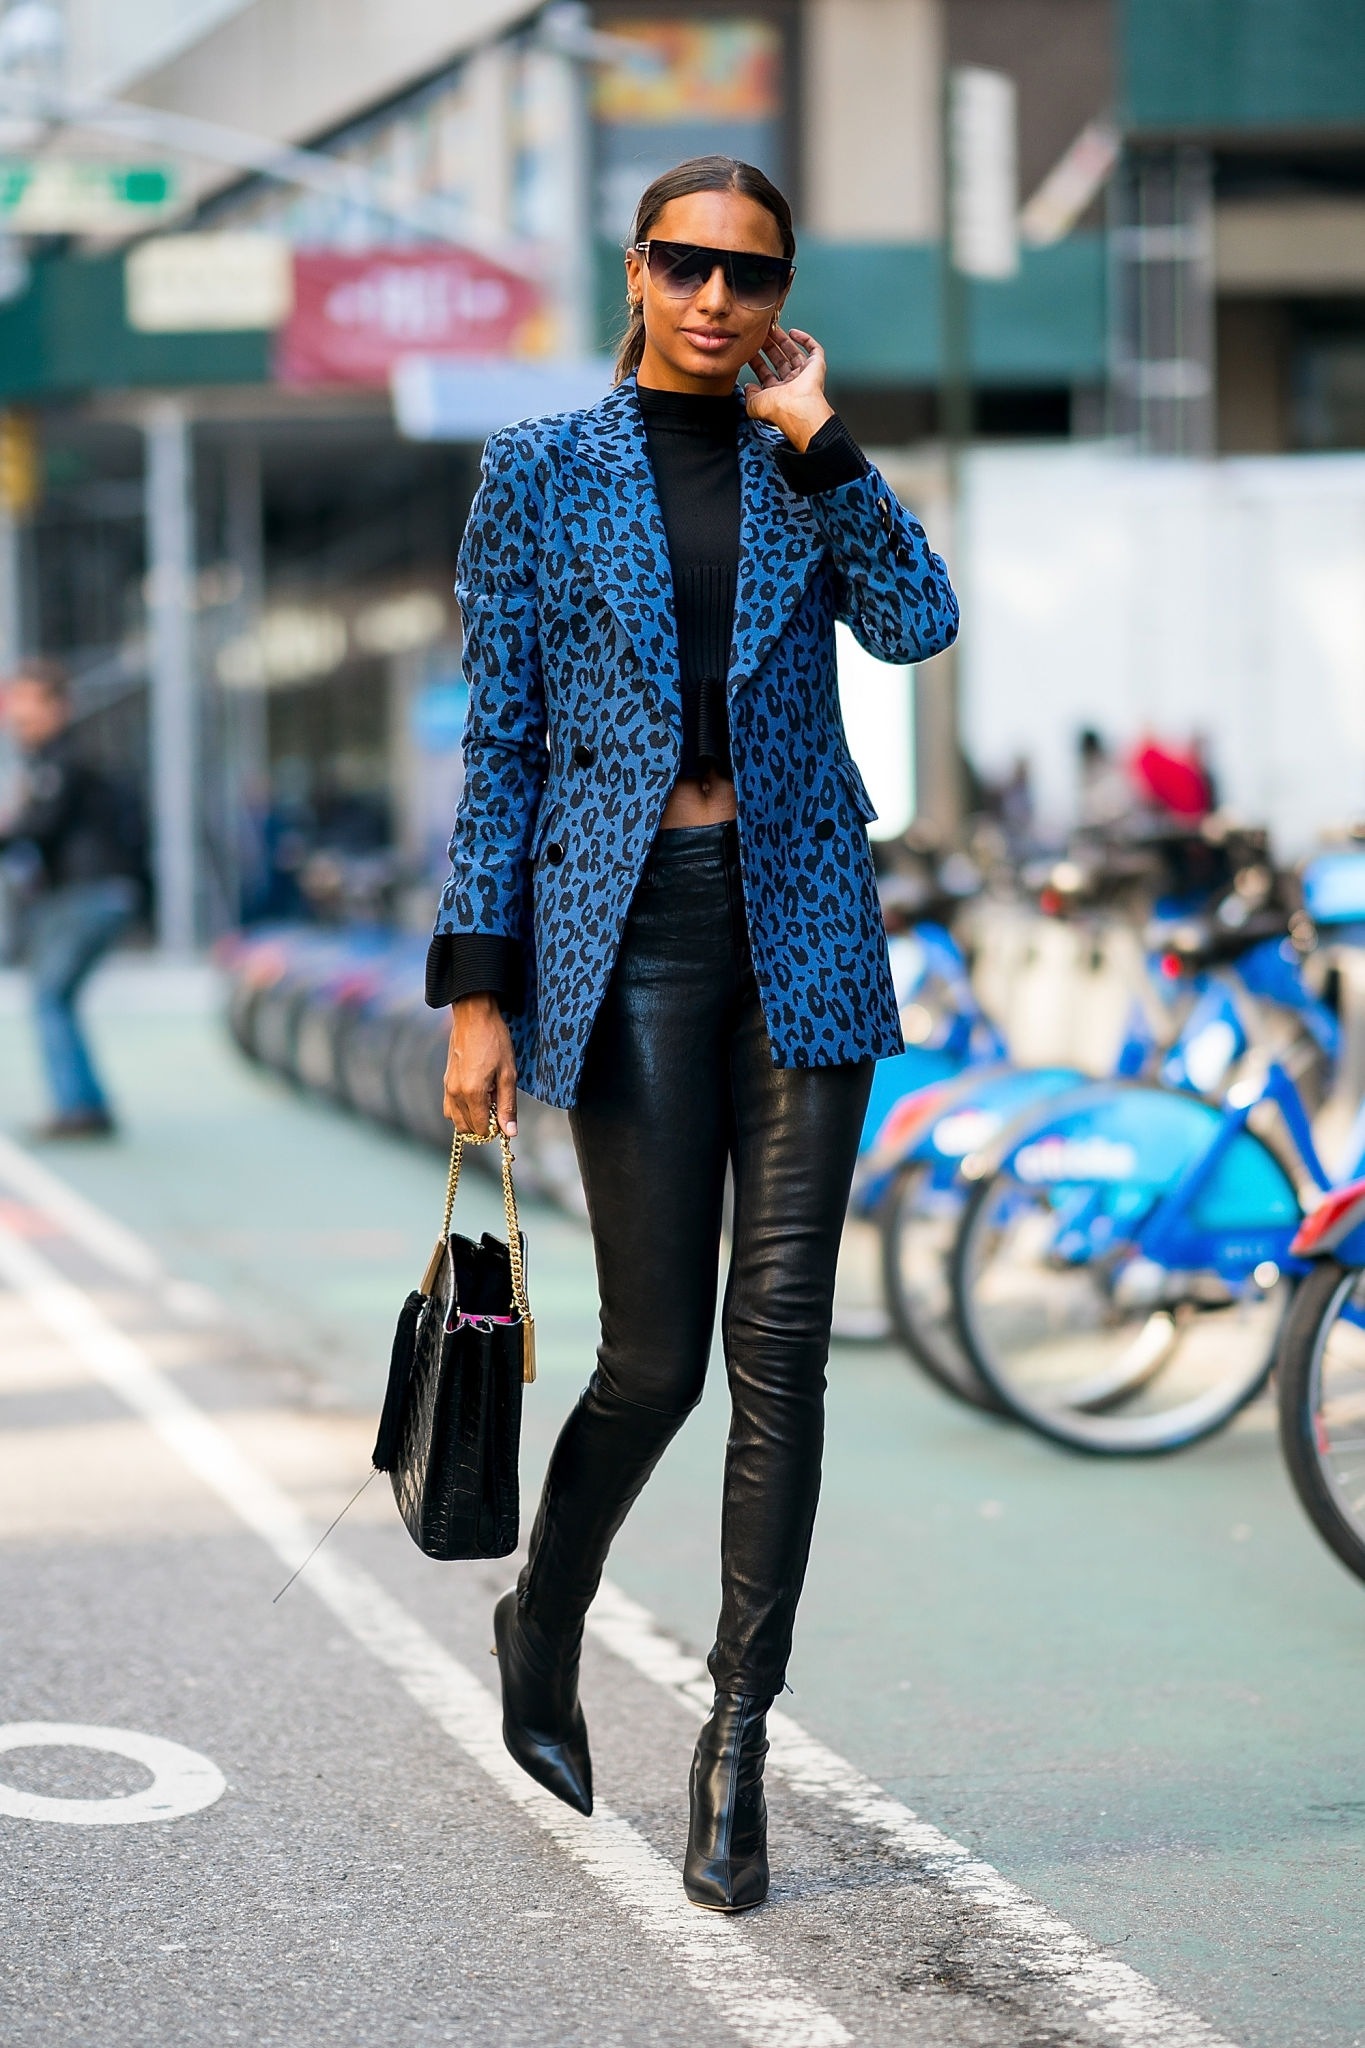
(697, 174)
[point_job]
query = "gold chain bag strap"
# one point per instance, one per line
(495, 1135)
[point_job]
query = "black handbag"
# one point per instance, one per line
(450, 1430)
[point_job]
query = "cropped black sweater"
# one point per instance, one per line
(694, 451)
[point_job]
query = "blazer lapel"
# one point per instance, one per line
(779, 547)
(615, 528)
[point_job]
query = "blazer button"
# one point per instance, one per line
(825, 829)
(584, 756)
(554, 851)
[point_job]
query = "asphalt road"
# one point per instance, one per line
(1121, 1700)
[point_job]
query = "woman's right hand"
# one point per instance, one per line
(481, 1068)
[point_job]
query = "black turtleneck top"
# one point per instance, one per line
(694, 452)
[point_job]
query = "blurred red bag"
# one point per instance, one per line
(1176, 780)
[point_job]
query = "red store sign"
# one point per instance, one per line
(354, 317)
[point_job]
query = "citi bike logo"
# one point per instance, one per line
(1091, 1158)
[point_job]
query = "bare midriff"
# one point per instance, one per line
(700, 802)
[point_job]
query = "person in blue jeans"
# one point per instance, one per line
(80, 837)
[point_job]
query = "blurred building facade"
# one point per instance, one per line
(238, 468)
(1245, 131)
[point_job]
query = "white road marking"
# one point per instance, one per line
(182, 1780)
(762, 2007)
(111, 1242)
(1110, 1993)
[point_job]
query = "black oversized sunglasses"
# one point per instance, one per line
(678, 269)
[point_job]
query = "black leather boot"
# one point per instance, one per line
(727, 1841)
(606, 1451)
(542, 1722)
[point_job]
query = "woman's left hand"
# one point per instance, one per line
(790, 392)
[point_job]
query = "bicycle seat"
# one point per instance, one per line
(1212, 942)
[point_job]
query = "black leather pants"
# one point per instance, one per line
(679, 1078)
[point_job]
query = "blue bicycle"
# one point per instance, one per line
(1320, 1370)
(1124, 1261)
(1320, 1367)
(949, 1038)
(908, 1177)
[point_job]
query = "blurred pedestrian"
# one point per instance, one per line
(1105, 795)
(80, 836)
(662, 881)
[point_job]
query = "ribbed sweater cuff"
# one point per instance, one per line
(469, 963)
(833, 458)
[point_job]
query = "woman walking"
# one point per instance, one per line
(662, 917)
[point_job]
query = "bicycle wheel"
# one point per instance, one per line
(321, 1026)
(276, 1023)
(1110, 1355)
(1321, 1372)
(919, 1224)
(244, 998)
(417, 1066)
(859, 1315)
(364, 1061)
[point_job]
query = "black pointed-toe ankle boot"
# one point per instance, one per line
(727, 1841)
(542, 1722)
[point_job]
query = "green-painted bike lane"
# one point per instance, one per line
(1135, 1688)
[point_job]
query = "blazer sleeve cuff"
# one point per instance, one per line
(832, 458)
(468, 963)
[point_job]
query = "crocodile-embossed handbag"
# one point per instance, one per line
(451, 1426)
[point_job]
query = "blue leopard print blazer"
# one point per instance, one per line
(574, 730)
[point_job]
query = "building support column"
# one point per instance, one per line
(20, 490)
(245, 787)
(171, 664)
(11, 591)
(565, 90)
(1161, 300)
